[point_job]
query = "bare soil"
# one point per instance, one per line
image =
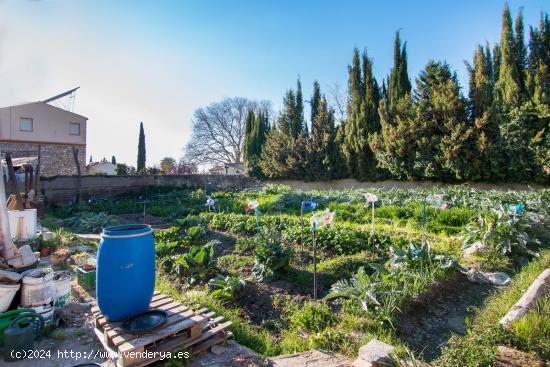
(427, 323)
(263, 303)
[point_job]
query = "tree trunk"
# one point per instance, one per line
(537, 289)
(78, 177)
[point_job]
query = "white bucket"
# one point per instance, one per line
(7, 292)
(37, 291)
(22, 224)
(61, 289)
(46, 311)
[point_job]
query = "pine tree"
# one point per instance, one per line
(141, 149)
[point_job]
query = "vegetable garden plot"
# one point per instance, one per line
(249, 256)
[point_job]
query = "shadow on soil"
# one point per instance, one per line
(427, 323)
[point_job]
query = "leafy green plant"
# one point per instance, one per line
(88, 222)
(226, 286)
(503, 233)
(198, 263)
(271, 257)
(416, 256)
(172, 234)
(361, 288)
(195, 234)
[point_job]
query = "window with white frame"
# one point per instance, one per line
(74, 128)
(25, 124)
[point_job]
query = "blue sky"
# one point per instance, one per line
(157, 61)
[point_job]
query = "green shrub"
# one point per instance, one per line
(270, 256)
(312, 317)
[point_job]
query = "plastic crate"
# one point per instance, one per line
(86, 279)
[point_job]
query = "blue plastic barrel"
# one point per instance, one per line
(125, 275)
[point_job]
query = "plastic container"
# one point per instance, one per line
(125, 275)
(61, 289)
(37, 288)
(20, 335)
(22, 224)
(86, 279)
(7, 317)
(7, 292)
(46, 312)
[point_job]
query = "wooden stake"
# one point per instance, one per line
(13, 182)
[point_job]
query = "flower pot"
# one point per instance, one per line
(44, 251)
(59, 256)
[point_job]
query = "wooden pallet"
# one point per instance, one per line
(192, 330)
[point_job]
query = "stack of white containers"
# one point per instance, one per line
(37, 292)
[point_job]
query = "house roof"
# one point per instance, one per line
(19, 162)
(98, 163)
(45, 104)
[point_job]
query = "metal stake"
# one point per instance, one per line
(314, 263)
(423, 219)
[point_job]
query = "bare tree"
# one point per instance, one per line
(338, 101)
(218, 131)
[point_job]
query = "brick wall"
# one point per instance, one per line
(55, 159)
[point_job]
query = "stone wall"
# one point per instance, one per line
(55, 159)
(62, 189)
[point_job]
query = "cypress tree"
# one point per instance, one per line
(508, 90)
(141, 149)
(298, 124)
(426, 137)
(256, 130)
(321, 150)
(399, 83)
(539, 61)
(248, 149)
(356, 92)
(113, 160)
(315, 101)
(481, 82)
(363, 118)
(520, 55)
(284, 153)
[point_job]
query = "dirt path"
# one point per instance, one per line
(427, 323)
